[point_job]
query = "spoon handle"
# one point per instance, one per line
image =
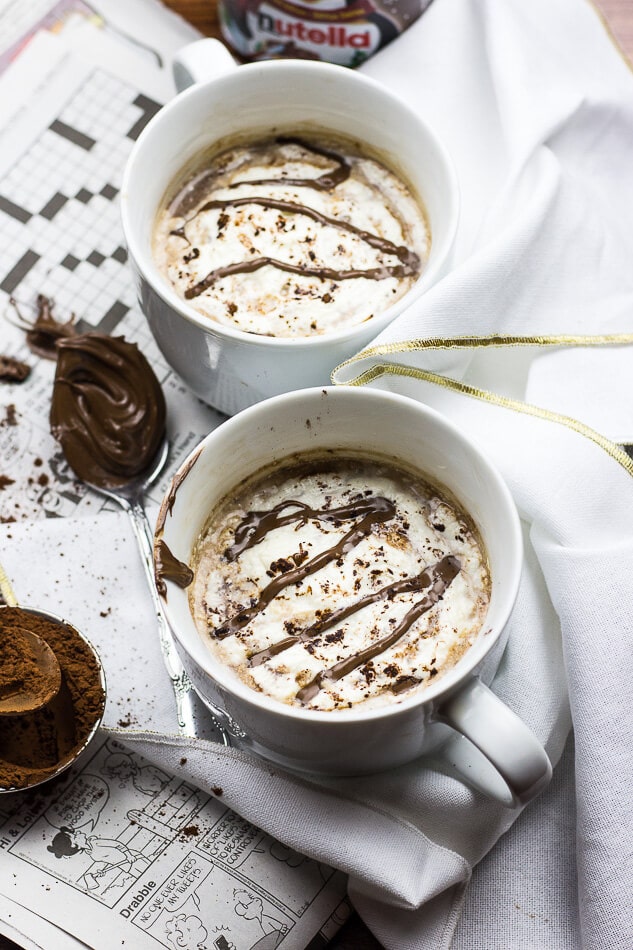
(180, 681)
(6, 591)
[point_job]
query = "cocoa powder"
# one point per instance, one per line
(36, 745)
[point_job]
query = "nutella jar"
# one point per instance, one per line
(345, 32)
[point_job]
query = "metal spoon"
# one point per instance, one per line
(21, 699)
(129, 496)
(22, 702)
(60, 708)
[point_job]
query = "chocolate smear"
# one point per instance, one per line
(43, 333)
(168, 567)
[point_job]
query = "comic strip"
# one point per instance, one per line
(167, 860)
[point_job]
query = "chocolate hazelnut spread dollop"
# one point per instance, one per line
(108, 410)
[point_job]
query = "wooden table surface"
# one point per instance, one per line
(618, 16)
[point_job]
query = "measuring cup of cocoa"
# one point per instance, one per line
(278, 216)
(40, 744)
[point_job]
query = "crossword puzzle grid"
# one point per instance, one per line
(61, 236)
(60, 232)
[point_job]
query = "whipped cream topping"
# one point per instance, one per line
(333, 582)
(292, 239)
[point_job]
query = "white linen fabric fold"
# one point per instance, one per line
(537, 109)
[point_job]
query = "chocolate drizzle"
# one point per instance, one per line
(368, 511)
(108, 409)
(405, 586)
(325, 182)
(408, 261)
(257, 524)
(435, 579)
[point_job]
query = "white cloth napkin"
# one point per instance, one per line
(537, 109)
(408, 838)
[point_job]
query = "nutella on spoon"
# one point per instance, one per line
(108, 410)
(109, 414)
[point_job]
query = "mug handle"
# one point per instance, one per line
(516, 767)
(200, 61)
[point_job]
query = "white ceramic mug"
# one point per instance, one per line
(226, 367)
(493, 748)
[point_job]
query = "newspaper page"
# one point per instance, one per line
(124, 854)
(72, 103)
(115, 851)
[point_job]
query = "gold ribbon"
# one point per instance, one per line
(378, 370)
(479, 342)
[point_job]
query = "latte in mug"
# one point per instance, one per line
(331, 581)
(291, 237)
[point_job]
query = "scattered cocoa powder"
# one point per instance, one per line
(13, 370)
(34, 746)
(191, 831)
(11, 416)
